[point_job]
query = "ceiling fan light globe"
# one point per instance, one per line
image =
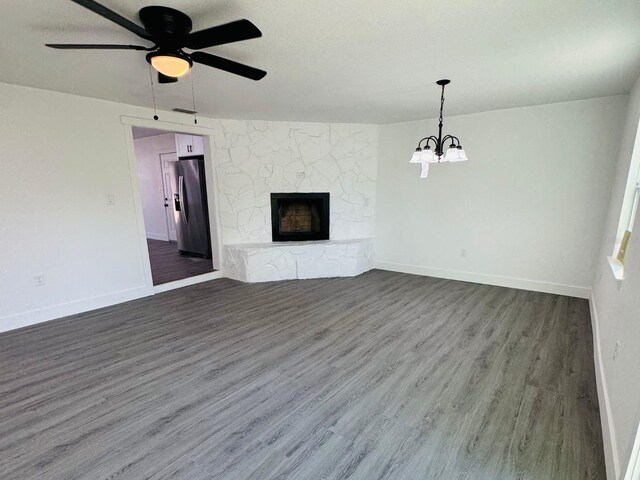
(170, 65)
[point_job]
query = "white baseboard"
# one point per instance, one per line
(185, 282)
(33, 317)
(606, 419)
(158, 236)
(510, 282)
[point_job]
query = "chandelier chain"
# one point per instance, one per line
(441, 104)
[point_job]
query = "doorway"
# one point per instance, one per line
(173, 190)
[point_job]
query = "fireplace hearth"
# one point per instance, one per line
(299, 216)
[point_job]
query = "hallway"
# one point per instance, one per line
(167, 265)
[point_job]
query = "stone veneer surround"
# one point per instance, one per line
(255, 158)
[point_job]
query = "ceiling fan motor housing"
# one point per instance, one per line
(168, 28)
(163, 23)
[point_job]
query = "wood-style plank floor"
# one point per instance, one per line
(167, 265)
(385, 375)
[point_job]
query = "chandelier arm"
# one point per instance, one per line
(425, 138)
(428, 139)
(448, 137)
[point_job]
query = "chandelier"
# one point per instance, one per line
(427, 155)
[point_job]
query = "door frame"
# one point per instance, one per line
(207, 134)
(169, 198)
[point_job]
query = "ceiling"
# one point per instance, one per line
(344, 61)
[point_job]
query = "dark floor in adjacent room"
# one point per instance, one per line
(167, 265)
(386, 375)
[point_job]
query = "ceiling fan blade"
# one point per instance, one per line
(227, 33)
(228, 65)
(89, 46)
(114, 17)
(166, 78)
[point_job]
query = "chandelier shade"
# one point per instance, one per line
(456, 154)
(428, 156)
(415, 158)
(425, 155)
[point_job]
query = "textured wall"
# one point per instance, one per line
(255, 158)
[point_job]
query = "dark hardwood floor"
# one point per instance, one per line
(385, 375)
(167, 265)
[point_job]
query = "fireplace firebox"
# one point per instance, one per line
(299, 216)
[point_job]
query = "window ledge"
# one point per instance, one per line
(616, 267)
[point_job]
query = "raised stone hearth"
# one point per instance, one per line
(265, 262)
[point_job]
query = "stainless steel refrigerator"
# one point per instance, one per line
(191, 207)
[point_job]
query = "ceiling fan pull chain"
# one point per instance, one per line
(153, 95)
(193, 97)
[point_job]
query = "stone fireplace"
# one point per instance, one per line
(254, 158)
(299, 216)
(296, 217)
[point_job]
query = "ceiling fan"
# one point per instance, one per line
(170, 32)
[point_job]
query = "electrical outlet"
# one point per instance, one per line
(463, 252)
(39, 280)
(300, 175)
(616, 350)
(366, 201)
(111, 199)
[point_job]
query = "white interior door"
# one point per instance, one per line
(169, 182)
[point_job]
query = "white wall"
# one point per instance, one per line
(255, 158)
(528, 208)
(148, 150)
(61, 155)
(617, 308)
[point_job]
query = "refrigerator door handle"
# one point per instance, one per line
(183, 199)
